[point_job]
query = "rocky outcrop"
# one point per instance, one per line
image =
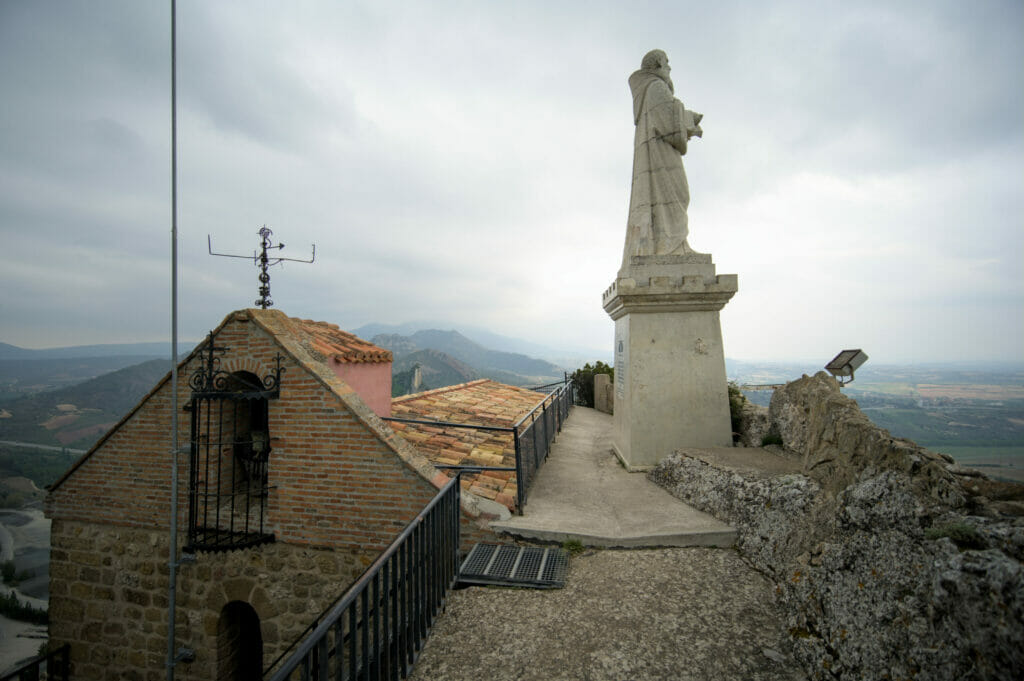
(753, 424)
(774, 516)
(891, 562)
(839, 443)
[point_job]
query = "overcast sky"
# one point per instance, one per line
(862, 167)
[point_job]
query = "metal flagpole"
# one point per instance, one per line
(172, 564)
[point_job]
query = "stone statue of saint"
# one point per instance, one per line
(660, 196)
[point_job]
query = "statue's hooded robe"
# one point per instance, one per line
(660, 196)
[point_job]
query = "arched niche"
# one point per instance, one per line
(239, 643)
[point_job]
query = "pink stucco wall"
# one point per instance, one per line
(372, 382)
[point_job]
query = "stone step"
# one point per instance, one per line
(722, 537)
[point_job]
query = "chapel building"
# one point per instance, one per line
(290, 484)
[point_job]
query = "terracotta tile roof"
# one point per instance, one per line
(481, 403)
(331, 341)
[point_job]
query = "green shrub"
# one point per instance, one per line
(573, 547)
(964, 535)
(583, 381)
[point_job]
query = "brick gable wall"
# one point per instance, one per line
(333, 481)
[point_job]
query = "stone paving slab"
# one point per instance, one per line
(583, 493)
(686, 614)
(755, 462)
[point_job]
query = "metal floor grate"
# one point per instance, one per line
(532, 566)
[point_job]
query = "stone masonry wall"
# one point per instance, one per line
(109, 598)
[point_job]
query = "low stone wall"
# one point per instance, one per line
(604, 393)
(888, 559)
(109, 599)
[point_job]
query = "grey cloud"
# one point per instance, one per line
(500, 145)
(244, 81)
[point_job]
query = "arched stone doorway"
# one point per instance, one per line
(239, 643)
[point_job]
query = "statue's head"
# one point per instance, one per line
(656, 61)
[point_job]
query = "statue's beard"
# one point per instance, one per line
(660, 73)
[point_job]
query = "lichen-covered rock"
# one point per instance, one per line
(865, 605)
(840, 445)
(772, 515)
(885, 502)
(978, 598)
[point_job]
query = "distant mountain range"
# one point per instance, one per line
(76, 415)
(572, 358)
(437, 370)
(67, 397)
(448, 357)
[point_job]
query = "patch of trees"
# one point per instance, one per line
(583, 381)
(12, 608)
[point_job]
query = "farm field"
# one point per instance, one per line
(996, 462)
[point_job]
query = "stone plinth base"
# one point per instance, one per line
(670, 384)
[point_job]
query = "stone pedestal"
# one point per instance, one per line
(670, 384)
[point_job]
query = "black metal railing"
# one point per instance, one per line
(377, 628)
(535, 433)
(53, 666)
(552, 387)
(532, 436)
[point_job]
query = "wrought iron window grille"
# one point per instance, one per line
(229, 453)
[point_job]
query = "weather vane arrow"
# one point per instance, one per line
(263, 262)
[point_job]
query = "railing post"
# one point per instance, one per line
(403, 648)
(520, 482)
(546, 437)
(536, 430)
(392, 632)
(457, 520)
(353, 640)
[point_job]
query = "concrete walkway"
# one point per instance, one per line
(583, 493)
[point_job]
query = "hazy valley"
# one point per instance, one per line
(974, 412)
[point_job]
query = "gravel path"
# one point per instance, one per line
(675, 614)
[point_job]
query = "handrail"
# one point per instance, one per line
(450, 424)
(61, 657)
(551, 397)
(315, 643)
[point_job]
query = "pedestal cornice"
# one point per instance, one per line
(669, 284)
